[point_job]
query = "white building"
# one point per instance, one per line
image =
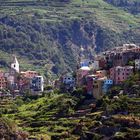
(137, 64)
(15, 65)
(37, 83)
(95, 65)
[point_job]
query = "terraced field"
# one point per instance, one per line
(55, 116)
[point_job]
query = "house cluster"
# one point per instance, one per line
(110, 68)
(17, 82)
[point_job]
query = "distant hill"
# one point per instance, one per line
(47, 34)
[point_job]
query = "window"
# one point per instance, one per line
(95, 86)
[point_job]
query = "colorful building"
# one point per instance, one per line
(101, 73)
(107, 85)
(102, 63)
(119, 74)
(120, 56)
(23, 84)
(81, 74)
(3, 82)
(98, 87)
(29, 74)
(85, 63)
(89, 83)
(1, 73)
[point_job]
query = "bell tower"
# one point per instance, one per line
(15, 64)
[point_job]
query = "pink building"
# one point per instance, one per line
(1, 73)
(3, 80)
(119, 74)
(81, 74)
(3, 83)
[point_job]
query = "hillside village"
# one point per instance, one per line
(96, 76)
(15, 82)
(106, 70)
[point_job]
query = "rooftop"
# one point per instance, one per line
(85, 68)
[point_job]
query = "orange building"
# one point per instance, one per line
(29, 74)
(101, 73)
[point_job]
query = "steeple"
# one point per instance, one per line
(15, 64)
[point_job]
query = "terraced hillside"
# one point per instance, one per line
(55, 116)
(47, 35)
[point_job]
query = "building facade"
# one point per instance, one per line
(95, 65)
(15, 64)
(101, 73)
(120, 56)
(3, 82)
(107, 85)
(97, 88)
(89, 83)
(29, 74)
(68, 83)
(37, 84)
(119, 74)
(137, 64)
(81, 75)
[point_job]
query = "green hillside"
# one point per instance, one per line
(132, 6)
(56, 116)
(47, 34)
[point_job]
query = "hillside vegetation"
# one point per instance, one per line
(133, 6)
(55, 116)
(47, 34)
